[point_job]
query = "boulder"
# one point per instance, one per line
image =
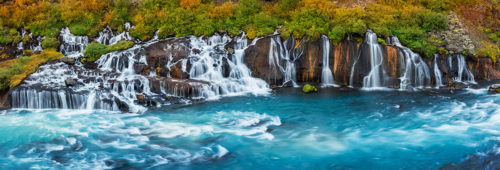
(70, 81)
(68, 60)
(495, 88)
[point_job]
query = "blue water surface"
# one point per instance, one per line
(333, 129)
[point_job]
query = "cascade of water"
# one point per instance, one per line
(20, 45)
(415, 71)
(437, 73)
(72, 45)
(376, 76)
(286, 53)
(326, 75)
(108, 37)
(208, 63)
(37, 45)
(464, 75)
(114, 85)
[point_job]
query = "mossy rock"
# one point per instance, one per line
(309, 89)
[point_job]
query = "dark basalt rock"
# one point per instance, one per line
(310, 65)
(158, 54)
(90, 65)
(140, 68)
(257, 60)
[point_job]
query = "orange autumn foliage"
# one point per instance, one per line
(190, 4)
(223, 11)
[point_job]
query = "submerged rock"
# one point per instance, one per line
(309, 89)
(495, 88)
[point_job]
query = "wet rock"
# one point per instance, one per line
(140, 68)
(70, 81)
(159, 53)
(344, 56)
(140, 96)
(310, 65)
(117, 164)
(495, 88)
(288, 84)
(90, 65)
(257, 60)
(485, 69)
(5, 100)
(196, 51)
(61, 159)
(226, 70)
(68, 60)
(122, 106)
(230, 50)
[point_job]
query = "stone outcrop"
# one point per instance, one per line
(309, 65)
(343, 59)
(457, 38)
(257, 60)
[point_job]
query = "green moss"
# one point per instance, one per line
(95, 50)
(381, 41)
(50, 43)
(309, 89)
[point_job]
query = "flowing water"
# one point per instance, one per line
(326, 74)
(334, 129)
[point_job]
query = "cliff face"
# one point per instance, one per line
(190, 69)
(349, 52)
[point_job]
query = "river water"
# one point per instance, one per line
(339, 128)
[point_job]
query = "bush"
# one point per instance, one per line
(94, 50)
(50, 43)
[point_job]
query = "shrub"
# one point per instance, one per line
(94, 50)
(190, 4)
(223, 11)
(50, 43)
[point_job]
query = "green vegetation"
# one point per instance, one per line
(410, 20)
(309, 89)
(95, 50)
(13, 72)
(50, 43)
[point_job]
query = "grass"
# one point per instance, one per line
(13, 72)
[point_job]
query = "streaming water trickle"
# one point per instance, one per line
(326, 74)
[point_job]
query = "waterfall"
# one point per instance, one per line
(463, 74)
(72, 45)
(108, 37)
(208, 65)
(376, 76)
(415, 71)
(326, 75)
(437, 73)
(286, 53)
